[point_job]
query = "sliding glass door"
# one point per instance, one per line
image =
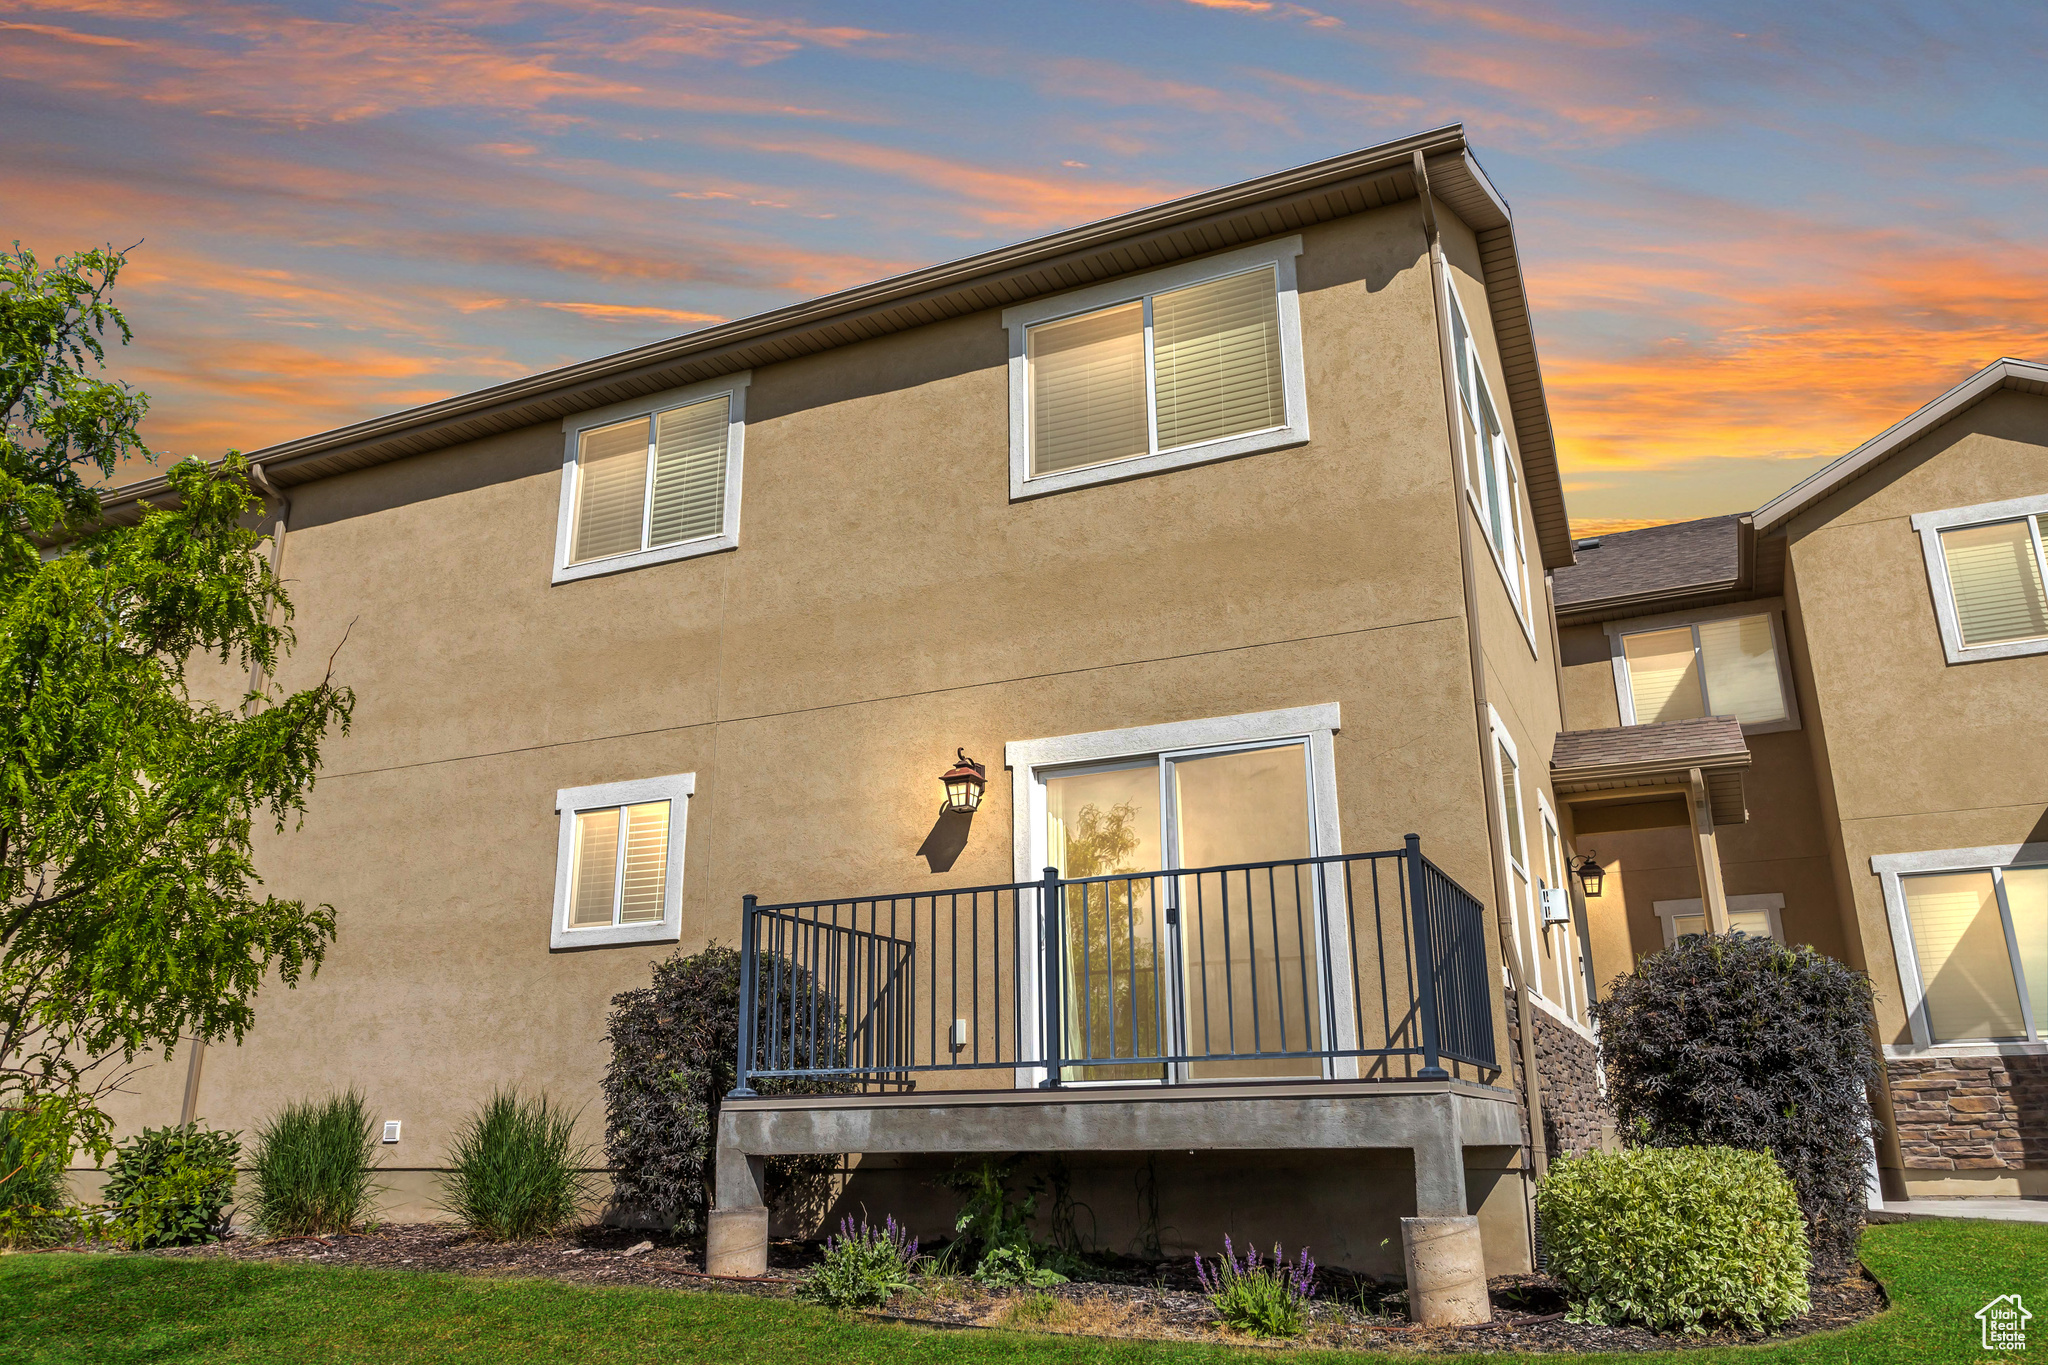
(1164, 958)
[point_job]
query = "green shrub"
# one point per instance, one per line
(1675, 1238)
(171, 1186)
(675, 1047)
(864, 1267)
(995, 1229)
(1259, 1299)
(1726, 1041)
(1016, 1265)
(313, 1168)
(33, 1190)
(518, 1170)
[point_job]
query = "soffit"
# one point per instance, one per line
(1214, 220)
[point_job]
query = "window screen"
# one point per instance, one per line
(651, 481)
(1966, 971)
(1994, 574)
(1716, 668)
(621, 870)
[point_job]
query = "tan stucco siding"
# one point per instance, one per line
(1921, 754)
(887, 603)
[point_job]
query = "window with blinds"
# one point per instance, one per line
(651, 481)
(1965, 926)
(1713, 668)
(1157, 373)
(620, 869)
(1995, 576)
(1490, 472)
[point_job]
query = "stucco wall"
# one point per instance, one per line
(887, 603)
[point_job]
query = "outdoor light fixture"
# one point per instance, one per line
(964, 782)
(1591, 875)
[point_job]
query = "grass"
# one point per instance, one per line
(124, 1310)
(313, 1166)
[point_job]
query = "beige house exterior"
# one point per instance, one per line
(1895, 802)
(1266, 471)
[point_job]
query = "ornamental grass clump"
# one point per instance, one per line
(864, 1267)
(517, 1170)
(1255, 1298)
(314, 1167)
(1676, 1239)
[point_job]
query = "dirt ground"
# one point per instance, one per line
(1160, 1302)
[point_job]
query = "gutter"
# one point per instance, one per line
(195, 1064)
(1532, 1094)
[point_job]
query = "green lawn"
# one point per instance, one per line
(117, 1309)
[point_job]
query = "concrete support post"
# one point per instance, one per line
(736, 1240)
(1446, 1271)
(1707, 854)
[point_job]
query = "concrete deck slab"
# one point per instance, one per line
(1997, 1210)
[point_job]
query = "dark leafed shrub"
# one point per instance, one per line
(1677, 1239)
(516, 1169)
(171, 1186)
(675, 1048)
(314, 1169)
(1741, 1042)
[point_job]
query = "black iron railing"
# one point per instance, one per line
(1366, 964)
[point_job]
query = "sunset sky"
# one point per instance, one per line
(1755, 234)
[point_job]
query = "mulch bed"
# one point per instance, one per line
(1156, 1301)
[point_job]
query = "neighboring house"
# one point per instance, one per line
(1219, 531)
(1874, 643)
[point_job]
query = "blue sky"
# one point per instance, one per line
(1755, 234)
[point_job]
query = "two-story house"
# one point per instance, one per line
(1218, 533)
(1821, 722)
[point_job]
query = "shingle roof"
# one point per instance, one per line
(1684, 556)
(1654, 755)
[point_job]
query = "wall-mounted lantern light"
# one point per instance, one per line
(964, 782)
(1591, 875)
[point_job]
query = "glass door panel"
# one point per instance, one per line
(1248, 938)
(1102, 823)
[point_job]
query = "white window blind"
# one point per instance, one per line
(2026, 899)
(1753, 923)
(1715, 668)
(1216, 359)
(1966, 969)
(1088, 389)
(651, 481)
(621, 866)
(1212, 354)
(1994, 574)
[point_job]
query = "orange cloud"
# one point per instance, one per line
(1583, 527)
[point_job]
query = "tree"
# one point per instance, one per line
(131, 915)
(1730, 1041)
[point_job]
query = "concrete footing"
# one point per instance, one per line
(1446, 1271)
(736, 1242)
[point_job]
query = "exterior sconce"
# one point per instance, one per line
(964, 783)
(1591, 875)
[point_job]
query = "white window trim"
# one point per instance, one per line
(1930, 525)
(1525, 916)
(675, 789)
(1278, 254)
(1028, 759)
(734, 388)
(1507, 468)
(1771, 607)
(1571, 979)
(1890, 867)
(1771, 903)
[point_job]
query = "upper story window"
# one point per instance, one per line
(619, 862)
(1986, 566)
(1180, 366)
(654, 479)
(1491, 479)
(1970, 932)
(1727, 665)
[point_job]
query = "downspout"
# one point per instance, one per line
(1439, 280)
(196, 1061)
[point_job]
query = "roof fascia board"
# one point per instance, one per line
(1894, 438)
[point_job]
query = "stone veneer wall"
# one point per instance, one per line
(1970, 1113)
(1575, 1115)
